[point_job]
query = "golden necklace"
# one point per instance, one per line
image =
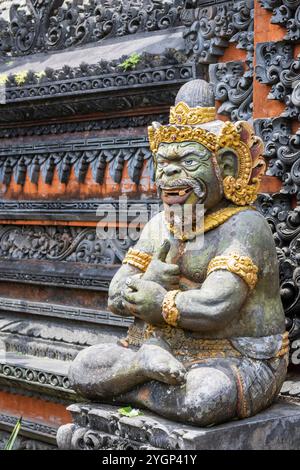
(211, 221)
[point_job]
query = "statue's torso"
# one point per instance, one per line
(262, 314)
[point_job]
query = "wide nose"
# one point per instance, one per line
(172, 169)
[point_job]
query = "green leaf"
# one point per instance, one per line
(129, 412)
(11, 441)
(131, 61)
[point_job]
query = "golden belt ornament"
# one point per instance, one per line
(190, 348)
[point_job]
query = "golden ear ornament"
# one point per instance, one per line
(248, 148)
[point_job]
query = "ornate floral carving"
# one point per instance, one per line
(277, 67)
(210, 29)
(234, 80)
(286, 13)
(283, 149)
(57, 24)
(60, 243)
(271, 59)
(285, 225)
(88, 88)
(234, 88)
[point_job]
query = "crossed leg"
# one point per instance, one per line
(107, 370)
(152, 378)
(208, 397)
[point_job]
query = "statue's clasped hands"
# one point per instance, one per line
(144, 293)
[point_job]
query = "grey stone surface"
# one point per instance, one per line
(111, 49)
(99, 427)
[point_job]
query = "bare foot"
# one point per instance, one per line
(158, 364)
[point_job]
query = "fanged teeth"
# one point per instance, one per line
(182, 192)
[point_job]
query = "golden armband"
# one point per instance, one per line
(169, 310)
(138, 259)
(243, 266)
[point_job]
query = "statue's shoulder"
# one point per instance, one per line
(250, 230)
(246, 221)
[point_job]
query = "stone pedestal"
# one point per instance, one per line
(101, 427)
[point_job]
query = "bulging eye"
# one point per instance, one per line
(190, 162)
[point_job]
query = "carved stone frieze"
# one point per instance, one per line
(43, 378)
(130, 100)
(285, 225)
(58, 24)
(282, 148)
(91, 78)
(287, 14)
(23, 443)
(29, 428)
(60, 243)
(31, 160)
(83, 126)
(31, 329)
(89, 315)
(101, 87)
(233, 88)
(211, 27)
(276, 66)
(91, 210)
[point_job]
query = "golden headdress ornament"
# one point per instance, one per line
(191, 124)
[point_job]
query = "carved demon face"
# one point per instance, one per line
(187, 173)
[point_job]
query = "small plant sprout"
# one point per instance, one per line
(131, 62)
(130, 412)
(20, 77)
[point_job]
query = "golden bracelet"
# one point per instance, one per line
(243, 266)
(169, 310)
(138, 259)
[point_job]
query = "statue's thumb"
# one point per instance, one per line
(163, 251)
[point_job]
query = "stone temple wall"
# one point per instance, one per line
(80, 83)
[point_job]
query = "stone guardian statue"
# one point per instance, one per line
(208, 342)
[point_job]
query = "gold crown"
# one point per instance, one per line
(171, 134)
(183, 115)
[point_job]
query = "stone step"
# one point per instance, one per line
(35, 374)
